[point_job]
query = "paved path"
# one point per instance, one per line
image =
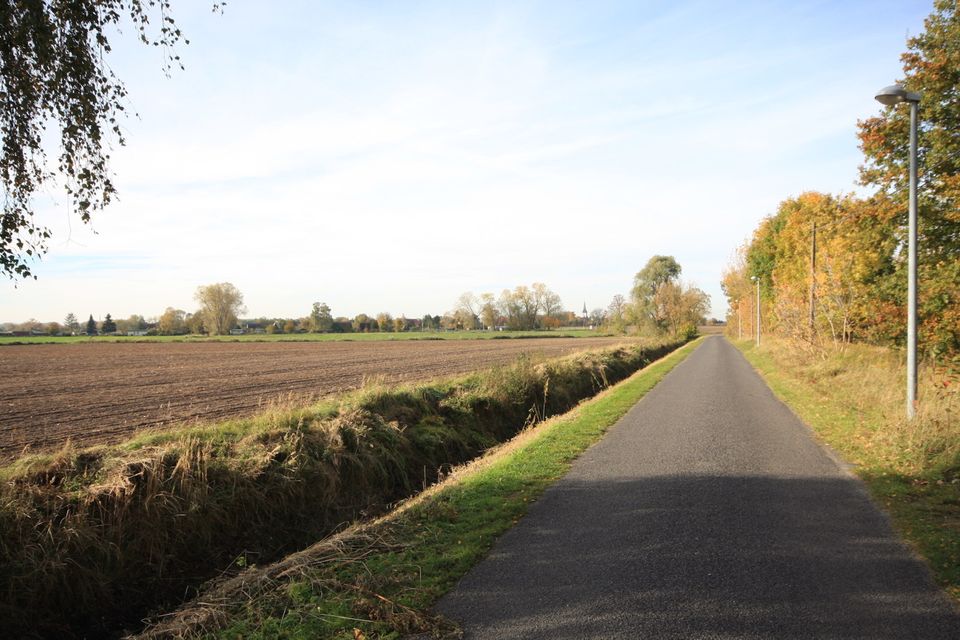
(707, 512)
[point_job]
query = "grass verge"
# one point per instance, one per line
(91, 540)
(380, 579)
(853, 399)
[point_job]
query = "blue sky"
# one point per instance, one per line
(386, 156)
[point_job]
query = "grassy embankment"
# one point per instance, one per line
(854, 400)
(379, 579)
(313, 337)
(93, 539)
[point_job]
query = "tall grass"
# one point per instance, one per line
(92, 540)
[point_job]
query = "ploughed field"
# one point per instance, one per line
(101, 393)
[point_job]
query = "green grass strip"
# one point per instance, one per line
(381, 581)
(925, 511)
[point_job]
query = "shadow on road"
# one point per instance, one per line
(702, 556)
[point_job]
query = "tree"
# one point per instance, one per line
(468, 303)
(510, 309)
(527, 306)
(135, 322)
(488, 310)
(465, 313)
(449, 322)
(91, 326)
(682, 307)
(289, 326)
(658, 271)
(616, 313)
(53, 328)
(172, 322)
(427, 323)
(546, 301)
(321, 320)
(108, 326)
(384, 321)
(194, 322)
(463, 319)
(219, 306)
(56, 79)
(738, 289)
(399, 324)
(931, 67)
(550, 322)
(71, 324)
(361, 322)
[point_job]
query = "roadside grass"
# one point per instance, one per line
(854, 400)
(379, 580)
(314, 337)
(93, 539)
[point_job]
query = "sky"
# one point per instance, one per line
(387, 156)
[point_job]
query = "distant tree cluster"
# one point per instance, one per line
(522, 308)
(659, 304)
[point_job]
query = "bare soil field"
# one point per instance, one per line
(101, 393)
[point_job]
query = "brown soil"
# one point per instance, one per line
(101, 393)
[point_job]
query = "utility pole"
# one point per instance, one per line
(757, 280)
(758, 312)
(813, 280)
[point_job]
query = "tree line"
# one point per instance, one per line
(833, 268)
(659, 304)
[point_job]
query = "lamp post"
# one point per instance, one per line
(757, 280)
(739, 322)
(891, 96)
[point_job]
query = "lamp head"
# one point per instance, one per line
(895, 94)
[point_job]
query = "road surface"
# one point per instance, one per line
(707, 512)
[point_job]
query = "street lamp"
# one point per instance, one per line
(892, 96)
(757, 280)
(739, 322)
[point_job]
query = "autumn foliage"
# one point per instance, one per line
(855, 279)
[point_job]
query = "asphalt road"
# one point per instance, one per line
(707, 512)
